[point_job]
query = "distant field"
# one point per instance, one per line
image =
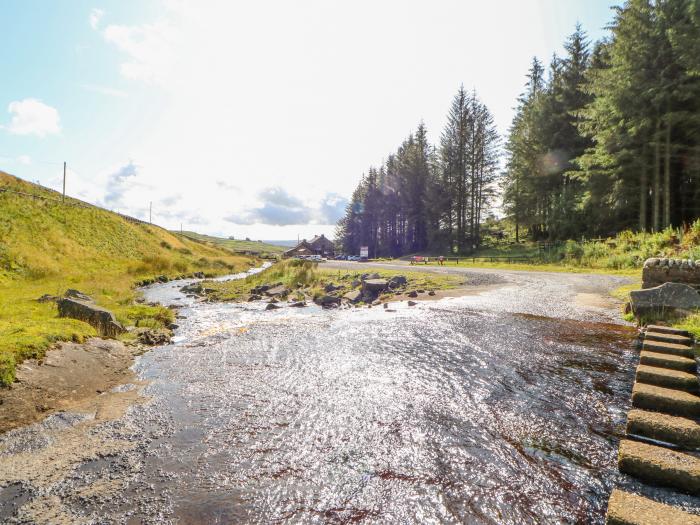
(235, 244)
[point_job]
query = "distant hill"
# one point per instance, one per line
(257, 247)
(287, 244)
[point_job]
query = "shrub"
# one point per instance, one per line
(7, 369)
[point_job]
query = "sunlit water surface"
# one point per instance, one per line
(455, 411)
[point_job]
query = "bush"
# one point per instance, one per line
(166, 245)
(7, 369)
(180, 266)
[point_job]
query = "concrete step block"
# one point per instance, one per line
(666, 330)
(660, 466)
(668, 348)
(667, 378)
(674, 362)
(680, 431)
(625, 508)
(668, 338)
(659, 399)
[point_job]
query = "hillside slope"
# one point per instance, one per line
(47, 246)
(236, 245)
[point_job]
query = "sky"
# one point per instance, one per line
(252, 119)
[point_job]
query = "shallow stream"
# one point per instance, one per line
(500, 407)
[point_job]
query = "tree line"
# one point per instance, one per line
(606, 138)
(427, 197)
(610, 140)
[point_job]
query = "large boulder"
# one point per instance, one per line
(102, 320)
(374, 286)
(353, 296)
(397, 281)
(195, 288)
(77, 294)
(277, 290)
(153, 336)
(327, 301)
(260, 289)
(664, 298)
(332, 287)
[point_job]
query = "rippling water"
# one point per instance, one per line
(448, 412)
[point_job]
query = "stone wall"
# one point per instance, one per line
(659, 270)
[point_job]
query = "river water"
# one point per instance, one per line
(499, 407)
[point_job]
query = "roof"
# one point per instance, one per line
(303, 245)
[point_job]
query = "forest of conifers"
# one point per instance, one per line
(607, 138)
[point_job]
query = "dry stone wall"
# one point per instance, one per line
(659, 270)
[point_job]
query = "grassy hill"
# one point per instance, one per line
(47, 247)
(236, 245)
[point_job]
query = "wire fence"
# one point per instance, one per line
(72, 201)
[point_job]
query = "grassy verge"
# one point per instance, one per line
(47, 246)
(623, 254)
(306, 281)
(542, 267)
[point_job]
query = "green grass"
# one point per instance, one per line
(541, 267)
(236, 245)
(691, 324)
(622, 254)
(47, 247)
(293, 273)
(305, 279)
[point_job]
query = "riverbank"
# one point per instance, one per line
(49, 245)
(73, 378)
(299, 282)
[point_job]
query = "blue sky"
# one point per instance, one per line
(254, 118)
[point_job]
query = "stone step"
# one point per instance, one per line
(679, 431)
(667, 378)
(660, 466)
(666, 330)
(668, 348)
(674, 362)
(668, 338)
(674, 402)
(625, 508)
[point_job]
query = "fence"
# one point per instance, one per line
(72, 201)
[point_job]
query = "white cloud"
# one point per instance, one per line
(150, 48)
(95, 17)
(239, 101)
(104, 90)
(118, 183)
(24, 159)
(32, 117)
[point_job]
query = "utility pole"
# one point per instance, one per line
(64, 181)
(150, 213)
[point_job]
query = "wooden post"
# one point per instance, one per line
(64, 181)
(150, 213)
